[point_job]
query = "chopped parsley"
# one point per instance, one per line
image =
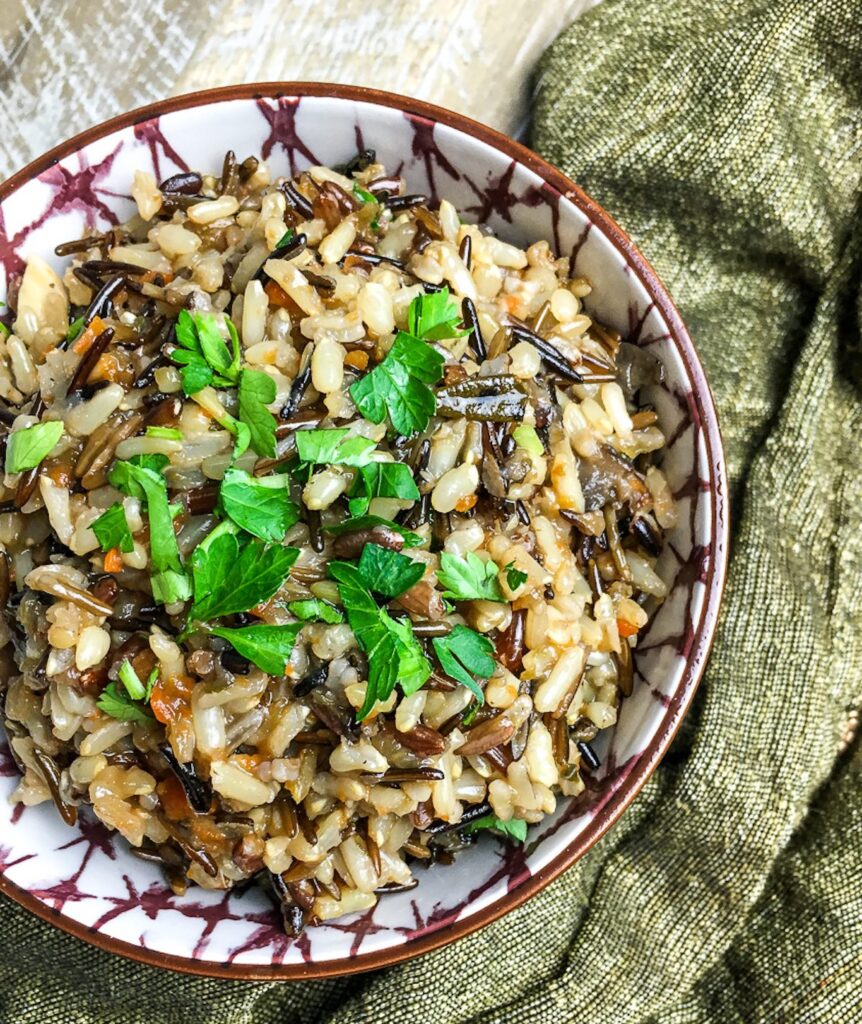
(434, 317)
(76, 329)
(128, 702)
(364, 194)
(26, 448)
(141, 477)
(394, 654)
(269, 647)
(203, 354)
(398, 387)
(514, 577)
(388, 572)
(333, 447)
(232, 577)
(169, 433)
(469, 578)
(112, 530)
(463, 654)
(315, 609)
(256, 392)
(260, 505)
(381, 480)
(514, 828)
(285, 239)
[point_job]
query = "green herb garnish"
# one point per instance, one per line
(364, 194)
(76, 329)
(515, 828)
(141, 477)
(315, 609)
(230, 577)
(469, 578)
(399, 386)
(203, 354)
(260, 505)
(394, 654)
(112, 530)
(169, 433)
(463, 654)
(381, 480)
(526, 437)
(285, 239)
(269, 647)
(388, 572)
(256, 392)
(26, 448)
(434, 316)
(514, 577)
(126, 704)
(333, 447)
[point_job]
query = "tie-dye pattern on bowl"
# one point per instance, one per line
(84, 879)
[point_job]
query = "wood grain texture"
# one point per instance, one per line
(65, 65)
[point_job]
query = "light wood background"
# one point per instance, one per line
(68, 64)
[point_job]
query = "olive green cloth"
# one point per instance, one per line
(727, 137)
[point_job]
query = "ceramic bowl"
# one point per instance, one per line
(84, 879)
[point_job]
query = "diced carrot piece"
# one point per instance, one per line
(357, 359)
(276, 294)
(465, 504)
(625, 628)
(86, 338)
(113, 560)
(173, 799)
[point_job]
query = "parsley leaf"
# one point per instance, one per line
(387, 572)
(140, 478)
(256, 392)
(132, 681)
(269, 647)
(229, 578)
(468, 578)
(76, 328)
(463, 653)
(285, 239)
(118, 704)
(514, 577)
(261, 506)
(112, 530)
(382, 480)
(515, 828)
(26, 448)
(121, 703)
(203, 354)
(393, 652)
(314, 609)
(169, 433)
(364, 194)
(411, 540)
(399, 385)
(333, 447)
(434, 316)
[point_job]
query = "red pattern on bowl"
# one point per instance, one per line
(84, 879)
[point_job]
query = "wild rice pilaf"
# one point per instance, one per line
(328, 525)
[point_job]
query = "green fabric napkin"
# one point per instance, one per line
(727, 138)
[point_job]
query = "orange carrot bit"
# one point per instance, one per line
(277, 295)
(357, 359)
(165, 276)
(113, 560)
(173, 799)
(626, 629)
(86, 338)
(465, 504)
(511, 302)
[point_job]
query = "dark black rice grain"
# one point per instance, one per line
(471, 321)
(589, 755)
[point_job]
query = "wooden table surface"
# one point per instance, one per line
(65, 65)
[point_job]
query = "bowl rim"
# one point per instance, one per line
(703, 633)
